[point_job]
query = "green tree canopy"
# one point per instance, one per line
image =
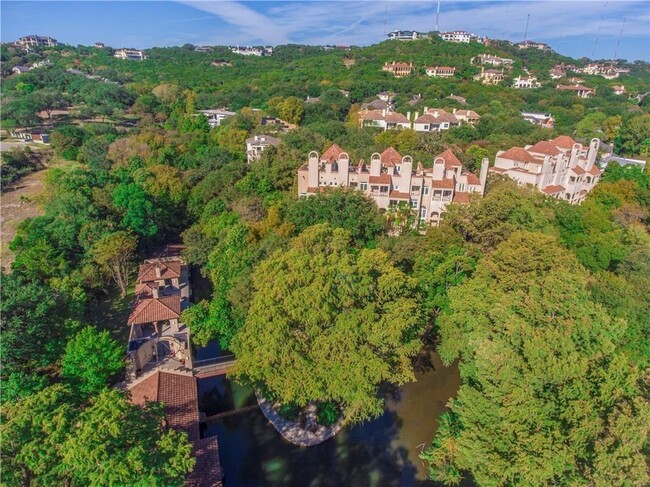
(329, 324)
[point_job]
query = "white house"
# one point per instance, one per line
(385, 119)
(35, 40)
(492, 60)
(406, 35)
(216, 116)
(434, 120)
(441, 71)
(458, 36)
(581, 91)
(525, 82)
(541, 119)
(257, 144)
(132, 54)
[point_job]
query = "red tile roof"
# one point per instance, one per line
(563, 142)
(443, 184)
(391, 157)
(594, 171)
(332, 154)
(149, 310)
(461, 197)
(207, 470)
(544, 147)
(398, 195)
(451, 160)
(168, 270)
(472, 179)
(381, 179)
(519, 154)
(396, 117)
(553, 189)
(430, 116)
(578, 170)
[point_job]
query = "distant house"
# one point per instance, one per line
(607, 71)
(377, 105)
(99, 45)
(406, 35)
(40, 138)
(385, 96)
(541, 119)
(492, 60)
(202, 49)
(469, 117)
(219, 64)
(20, 69)
(581, 91)
(277, 123)
(216, 116)
(459, 36)
(41, 64)
(257, 144)
(622, 161)
(457, 98)
(534, 45)
(35, 40)
(441, 71)
(398, 69)
(312, 99)
(560, 70)
(384, 119)
(489, 76)
(525, 82)
(619, 89)
(575, 81)
(435, 120)
(132, 54)
(252, 51)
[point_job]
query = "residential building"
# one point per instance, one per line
(457, 98)
(132, 54)
(216, 116)
(257, 144)
(525, 82)
(458, 36)
(619, 89)
(607, 71)
(489, 76)
(575, 81)
(406, 35)
(581, 91)
(202, 49)
(492, 60)
(561, 168)
(441, 71)
(20, 69)
(534, 45)
(384, 119)
(560, 70)
(378, 105)
(162, 293)
(386, 96)
(398, 69)
(391, 179)
(35, 40)
(37, 137)
(469, 117)
(252, 51)
(541, 119)
(277, 124)
(100, 45)
(434, 120)
(622, 161)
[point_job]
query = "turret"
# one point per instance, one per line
(313, 170)
(344, 164)
(593, 152)
(485, 164)
(407, 171)
(375, 164)
(438, 169)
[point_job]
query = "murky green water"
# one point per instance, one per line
(379, 453)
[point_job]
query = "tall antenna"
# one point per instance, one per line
(438, 16)
(385, 20)
(526, 31)
(593, 52)
(618, 42)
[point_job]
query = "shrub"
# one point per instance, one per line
(327, 413)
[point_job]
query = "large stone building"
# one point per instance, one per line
(390, 179)
(132, 54)
(35, 40)
(431, 120)
(561, 167)
(398, 69)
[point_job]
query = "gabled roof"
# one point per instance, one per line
(594, 171)
(396, 117)
(332, 154)
(553, 189)
(461, 197)
(472, 179)
(544, 147)
(169, 269)
(519, 154)
(443, 184)
(563, 142)
(466, 113)
(149, 310)
(381, 179)
(450, 159)
(399, 195)
(390, 157)
(578, 170)
(442, 116)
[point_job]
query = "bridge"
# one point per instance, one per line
(213, 367)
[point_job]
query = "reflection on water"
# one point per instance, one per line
(382, 452)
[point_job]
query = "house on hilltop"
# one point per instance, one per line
(441, 71)
(435, 120)
(525, 82)
(257, 144)
(581, 91)
(384, 119)
(561, 167)
(406, 35)
(392, 179)
(35, 40)
(489, 76)
(132, 54)
(398, 69)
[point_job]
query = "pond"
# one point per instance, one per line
(382, 452)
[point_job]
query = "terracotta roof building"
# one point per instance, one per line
(257, 144)
(391, 178)
(560, 167)
(398, 69)
(489, 76)
(441, 71)
(435, 120)
(581, 91)
(384, 119)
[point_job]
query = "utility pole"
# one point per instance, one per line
(526, 31)
(438, 16)
(385, 20)
(618, 42)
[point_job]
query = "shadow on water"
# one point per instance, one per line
(381, 452)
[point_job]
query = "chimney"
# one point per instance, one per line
(383, 112)
(453, 111)
(436, 113)
(155, 292)
(426, 109)
(313, 167)
(157, 271)
(408, 115)
(485, 164)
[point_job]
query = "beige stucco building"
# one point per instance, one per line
(390, 179)
(561, 167)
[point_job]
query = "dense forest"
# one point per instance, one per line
(544, 305)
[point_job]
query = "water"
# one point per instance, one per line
(379, 453)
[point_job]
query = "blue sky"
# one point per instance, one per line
(576, 28)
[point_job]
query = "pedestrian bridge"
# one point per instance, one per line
(214, 366)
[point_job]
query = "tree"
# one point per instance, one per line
(92, 358)
(67, 140)
(138, 209)
(50, 100)
(474, 156)
(118, 443)
(113, 253)
(544, 391)
(328, 324)
(291, 109)
(633, 133)
(342, 208)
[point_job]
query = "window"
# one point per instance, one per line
(425, 190)
(415, 188)
(374, 189)
(363, 186)
(414, 204)
(383, 189)
(423, 212)
(353, 185)
(572, 179)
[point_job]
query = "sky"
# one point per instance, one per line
(583, 28)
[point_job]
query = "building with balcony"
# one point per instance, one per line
(391, 179)
(216, 116)
(489, 76)
(469, 117)
(34, 40)
(384, 119)
(534, 45)
(459, 36)
(398, 69)
(561, 167)
(441, 71)
(406, 35)
(132, 54)
(525, 82)
(257, 144)
(581, 91)
(492, 60)
(541, 119)
(435, 120)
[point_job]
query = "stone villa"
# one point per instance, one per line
(390, 179)
(561, 168)
(441, 71)
(257, 144)
(398, 69)
(489, 76)
(581, 91)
